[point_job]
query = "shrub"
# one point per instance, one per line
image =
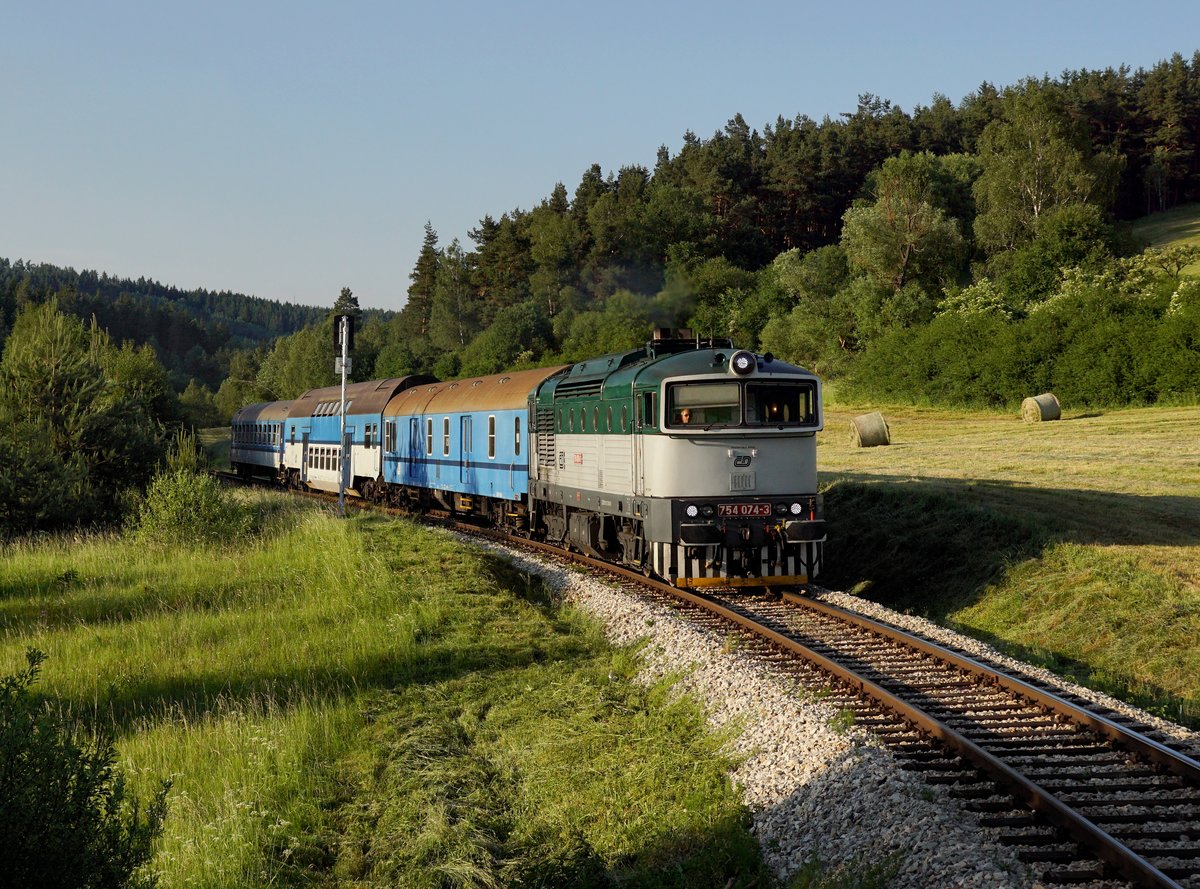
(64, 814)
(955, 359)
(182, 506)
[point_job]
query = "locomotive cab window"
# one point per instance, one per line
(704, 404)
(781, 404)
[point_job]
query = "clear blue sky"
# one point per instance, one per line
(289, 149)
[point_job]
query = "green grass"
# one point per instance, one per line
(1102, 619)
(1075, 544)
(215, 442)
(361, 702)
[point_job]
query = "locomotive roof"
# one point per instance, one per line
(495, 392)
(615, 375)
(263, 411)
(363, 398)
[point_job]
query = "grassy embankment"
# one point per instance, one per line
(1075, 544)
(361, 702)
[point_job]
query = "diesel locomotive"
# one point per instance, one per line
(688, 459)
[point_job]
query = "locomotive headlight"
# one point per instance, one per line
(797, 509)
(742, 363)
(781, 509)
(692, 510)
(708, 511)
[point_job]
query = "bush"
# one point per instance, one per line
(64, 815)
(1103, 340)
(183, 506)
(961, 359)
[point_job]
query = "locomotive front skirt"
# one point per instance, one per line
(687, 459)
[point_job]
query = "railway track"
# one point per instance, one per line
(1062, 782)
(1084, 796)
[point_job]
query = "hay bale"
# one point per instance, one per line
(1040, 407)
(869, 430)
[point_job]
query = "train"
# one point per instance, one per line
(689, 460)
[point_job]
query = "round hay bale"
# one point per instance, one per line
(1040, 407)
(869, 430)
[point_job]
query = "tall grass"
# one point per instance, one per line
(363, 702)
(231, 671)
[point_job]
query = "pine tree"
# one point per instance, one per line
(424, 280)
(347, 304)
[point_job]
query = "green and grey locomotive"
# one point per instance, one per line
(690, 459)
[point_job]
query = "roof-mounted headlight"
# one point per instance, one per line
(742, 363)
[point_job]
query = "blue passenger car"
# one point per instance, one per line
(454, 442)
(314, 453)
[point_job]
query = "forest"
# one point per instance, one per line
(962, 254)
(958, 254)
(193, 333)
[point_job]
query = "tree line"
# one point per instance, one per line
(834, 243)
(193, 333)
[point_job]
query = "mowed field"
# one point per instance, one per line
(1074, 543)
(1178, 226)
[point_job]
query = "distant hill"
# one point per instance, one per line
(193, 331)
(1180, 225)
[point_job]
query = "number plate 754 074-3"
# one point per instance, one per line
(743, 510)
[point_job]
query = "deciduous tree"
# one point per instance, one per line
(1034, 160)
(901, 237)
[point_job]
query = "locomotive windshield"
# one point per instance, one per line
(709, 405)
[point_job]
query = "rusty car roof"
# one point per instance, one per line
(496, 392)
(362, 398)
